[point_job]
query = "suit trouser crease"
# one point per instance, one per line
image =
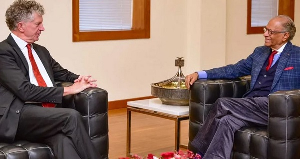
(38, 124)
(215, 137)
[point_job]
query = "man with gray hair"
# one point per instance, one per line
(273, 67)
(27, 90)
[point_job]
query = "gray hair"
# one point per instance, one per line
(289, 26)
(22, 10)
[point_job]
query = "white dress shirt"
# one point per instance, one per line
(22, 45)
(277, 55)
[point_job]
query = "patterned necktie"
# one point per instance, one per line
(271, 57)
(41, 82)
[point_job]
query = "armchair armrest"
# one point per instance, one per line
(92, 104)
(204, 93)
(284, 125)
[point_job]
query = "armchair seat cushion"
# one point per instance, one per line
(25, 150)
(250, 142)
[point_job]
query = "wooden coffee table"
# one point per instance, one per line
(154, 107)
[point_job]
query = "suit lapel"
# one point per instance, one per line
(45, 61)
(14, 45)
(284, 57)
(39, 52)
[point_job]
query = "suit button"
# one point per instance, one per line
(18, 111)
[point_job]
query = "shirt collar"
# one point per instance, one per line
(281, 48)
(21, 43)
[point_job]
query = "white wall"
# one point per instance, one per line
(206, 33)
(206, 39)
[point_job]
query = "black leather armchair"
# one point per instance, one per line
(279, 140)
(91, 104)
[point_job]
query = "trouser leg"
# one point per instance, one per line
(62, 146)
(248, 110)
(37, 124)
(221, 144)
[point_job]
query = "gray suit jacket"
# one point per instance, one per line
(15, 86)
(287, 75)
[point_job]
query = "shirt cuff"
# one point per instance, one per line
(202, 74)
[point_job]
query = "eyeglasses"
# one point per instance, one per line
(271, 32)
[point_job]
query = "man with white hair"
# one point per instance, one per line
(273, 67)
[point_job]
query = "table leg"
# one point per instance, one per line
(177, 134)
(180, 145)
(128, 132)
